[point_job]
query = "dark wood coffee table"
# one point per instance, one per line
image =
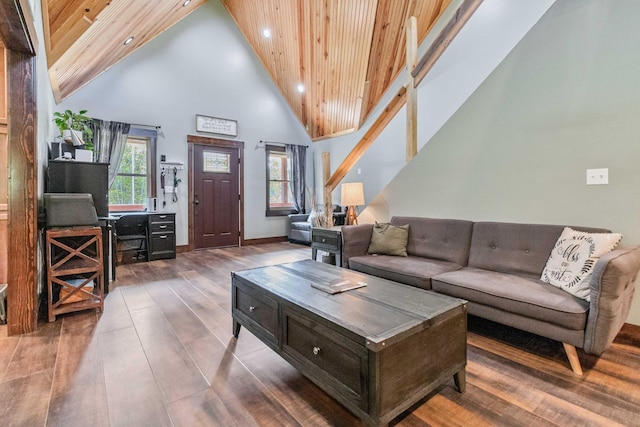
(378, 349)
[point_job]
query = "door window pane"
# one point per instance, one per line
(216, 162)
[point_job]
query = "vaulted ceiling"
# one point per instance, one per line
(332, 59)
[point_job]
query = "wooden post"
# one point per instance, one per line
(412, 107)
(326, 174)
(18, 34)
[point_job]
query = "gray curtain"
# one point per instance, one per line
(109, 140)
(297, 156)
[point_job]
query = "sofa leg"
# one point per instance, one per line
(572, 355)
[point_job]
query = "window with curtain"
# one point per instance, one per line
(279, 197)
(135, 180)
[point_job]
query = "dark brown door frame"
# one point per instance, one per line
(214, 142)
(18, 35)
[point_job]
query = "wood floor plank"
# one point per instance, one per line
(619, 393)
(555, 399)
(303, 399)
(175, 372)
(133, 397)
(247, 399)
(184, 322)
(208, 286)
(83, 405)
(24, 400)
(35, 352)
(440, 411)
(202, 409)
(115, 314)
(215, 318)
(137, 298)
(79, 361)
(8, 347)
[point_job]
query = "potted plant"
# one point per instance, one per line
(74, 127)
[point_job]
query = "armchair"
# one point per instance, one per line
(299, 225)
(299, 228)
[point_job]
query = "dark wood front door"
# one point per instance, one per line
(216, 196)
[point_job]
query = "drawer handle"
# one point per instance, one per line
(251, 308)
(324, 240)
(163, 237)
(316, 350)
(163, 226)
(162, 216)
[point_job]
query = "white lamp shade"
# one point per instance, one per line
(352, 194)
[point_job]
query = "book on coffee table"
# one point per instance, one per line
(338, 285)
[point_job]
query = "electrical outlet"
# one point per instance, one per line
(597, 176)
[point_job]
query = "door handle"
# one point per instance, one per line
(196, 201)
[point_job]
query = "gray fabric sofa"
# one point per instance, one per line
(496, 267)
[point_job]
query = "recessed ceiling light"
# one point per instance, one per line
(300, 88)
(266, 33)
(129, 40)
(186, 2)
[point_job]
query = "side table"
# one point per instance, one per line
(75, 270)
(328, 240)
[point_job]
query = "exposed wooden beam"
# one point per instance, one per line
(16, 26)
(412, 101)
(444, 39)
(369, 137)
(326, 174)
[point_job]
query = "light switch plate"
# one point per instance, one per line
(597, 176)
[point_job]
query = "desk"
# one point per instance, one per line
(161, 228)
(328, 240)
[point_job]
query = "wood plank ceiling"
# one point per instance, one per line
(345, 53)
(86, 37)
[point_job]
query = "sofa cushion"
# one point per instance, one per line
(414, 271)
(515, 248)
(440, 239)
(525, 296)
(574, 257)
(387, 239)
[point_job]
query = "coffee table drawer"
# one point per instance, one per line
(259, 309)
(324, 351)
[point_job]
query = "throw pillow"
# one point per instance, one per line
(387, 239)
(574, 257)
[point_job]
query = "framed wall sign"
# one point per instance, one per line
(216, 125)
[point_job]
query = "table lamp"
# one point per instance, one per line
(352, 195)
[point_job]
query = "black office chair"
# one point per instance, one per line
(132, 237)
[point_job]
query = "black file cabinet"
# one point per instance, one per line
(162, 236)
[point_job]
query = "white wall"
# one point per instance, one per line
(564, 100)
(202, 65)
(494, 29)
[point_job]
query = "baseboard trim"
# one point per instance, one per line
(182, 249)
(264, 241)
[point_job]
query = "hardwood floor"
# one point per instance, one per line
(162, 353)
